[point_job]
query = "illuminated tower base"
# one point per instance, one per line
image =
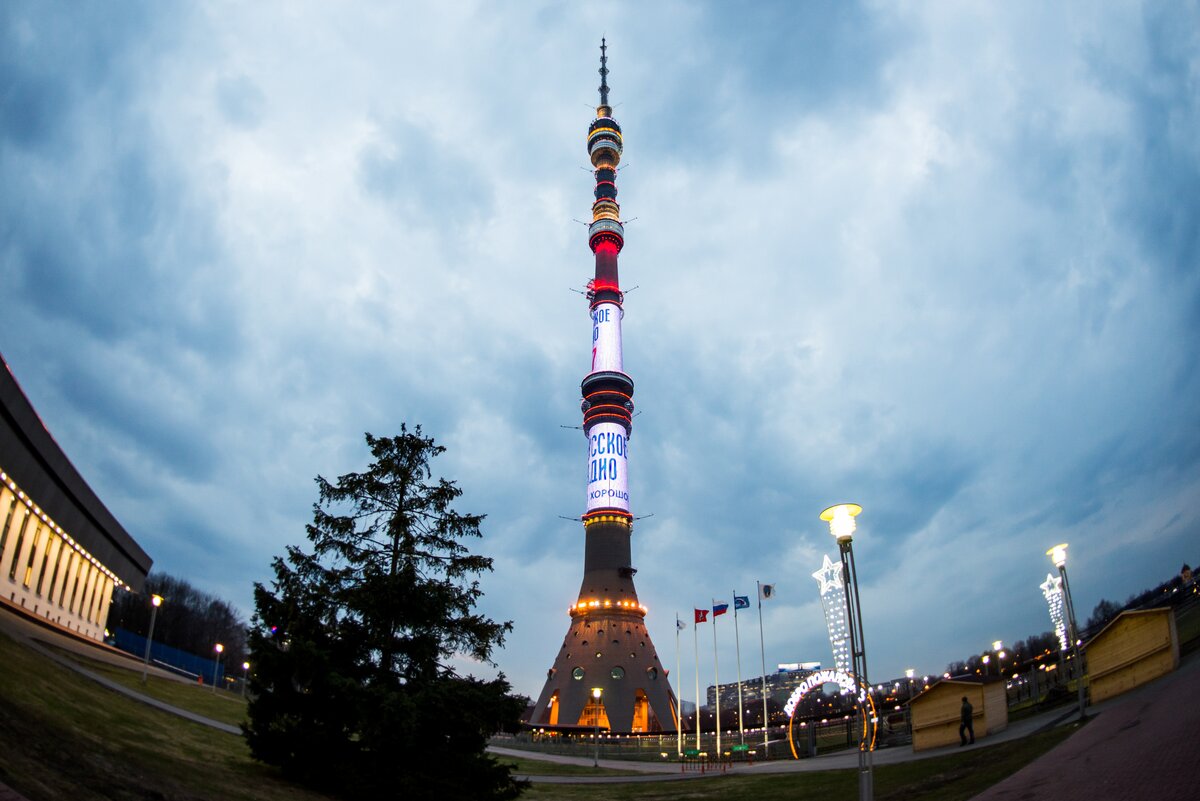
(607, 646)
(607, 672)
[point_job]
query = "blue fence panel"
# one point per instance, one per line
(181, 660)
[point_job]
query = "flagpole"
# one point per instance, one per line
(716, 681)
(696, 661)
(678, 696)
(763, 653)
(738, 642)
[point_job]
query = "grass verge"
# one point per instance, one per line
(65, 736)
(955, 777)
(220, 705)
(538, 767)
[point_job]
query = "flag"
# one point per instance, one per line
(701, 615)
(766, 592)
(720, 609)
(741, 602)
(679, 624)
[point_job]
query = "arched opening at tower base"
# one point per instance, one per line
(641, 712)
(594, 715)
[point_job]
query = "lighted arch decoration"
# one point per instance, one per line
(849, 685)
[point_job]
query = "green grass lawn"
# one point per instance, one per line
(65, 736)
(950, 778)
(221, 705)
(538, 767)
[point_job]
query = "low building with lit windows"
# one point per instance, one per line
(62, 553)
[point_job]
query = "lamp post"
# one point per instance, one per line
(155, 602)
(908, 674)
(1058, 555)
(596, 693)
(987, 659)
(841, 525)
(216, 665)
(245, 674)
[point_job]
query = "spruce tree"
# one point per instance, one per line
(352, 689)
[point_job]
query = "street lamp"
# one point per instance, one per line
(908, 674)
(596, 693)
(245, 674)
(840, 518)
(987, 658)
(216, 665)
(155, 602)
(1058, 555)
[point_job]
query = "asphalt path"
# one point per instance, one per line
(1140, 745)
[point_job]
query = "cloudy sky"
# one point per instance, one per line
(937, 258)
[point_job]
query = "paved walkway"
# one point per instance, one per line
(1142, 745)
(839, 760)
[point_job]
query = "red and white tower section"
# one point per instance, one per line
(607, 647)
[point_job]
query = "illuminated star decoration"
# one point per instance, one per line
(833, 600)
(1052, 590)
(829, 576)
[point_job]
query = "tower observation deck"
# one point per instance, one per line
(607, 646)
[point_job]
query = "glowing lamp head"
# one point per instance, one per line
(597, 692)
(156, 600)
(910, 673)
(219, 648)
(1058, 555)
(245, 666)
(986, 658)
(1002, 654)
(997, 645)
(841, 520)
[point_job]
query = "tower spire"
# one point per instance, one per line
(603, 73)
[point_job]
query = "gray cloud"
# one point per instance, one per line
(939, 264)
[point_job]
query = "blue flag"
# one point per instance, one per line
(741, 602)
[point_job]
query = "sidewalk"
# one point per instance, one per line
(1144, 744)
(839, 760)
(1114, 757)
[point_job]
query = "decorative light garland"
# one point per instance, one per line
(833, 600)
(41, 515)
(1052, 591)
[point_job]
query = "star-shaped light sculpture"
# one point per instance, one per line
(829, 576)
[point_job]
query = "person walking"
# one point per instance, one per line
(968, 724)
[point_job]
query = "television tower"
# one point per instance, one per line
(607, 647)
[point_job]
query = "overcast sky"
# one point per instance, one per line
(939, 259)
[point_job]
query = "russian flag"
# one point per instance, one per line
(720, 609)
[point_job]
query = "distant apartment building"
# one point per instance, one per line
(780, 685)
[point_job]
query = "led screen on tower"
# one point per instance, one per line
(608, 467)
(606, 337)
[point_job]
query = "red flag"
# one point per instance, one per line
(701, 615)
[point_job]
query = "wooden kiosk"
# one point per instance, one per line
(936, 713)
(1136, 647)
